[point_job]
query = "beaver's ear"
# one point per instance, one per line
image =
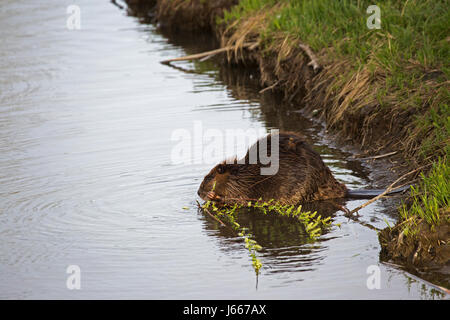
(234, 169)
(221, 169)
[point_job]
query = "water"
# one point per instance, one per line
(86, 177)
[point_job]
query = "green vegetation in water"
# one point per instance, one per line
(313, 223)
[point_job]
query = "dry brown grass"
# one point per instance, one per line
(244, 31)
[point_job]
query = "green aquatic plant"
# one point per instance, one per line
(313, 223)
(229, 213)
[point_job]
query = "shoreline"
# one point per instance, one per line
(338, 94)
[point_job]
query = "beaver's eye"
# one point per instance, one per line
(220, 169)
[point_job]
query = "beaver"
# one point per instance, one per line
(302, 176)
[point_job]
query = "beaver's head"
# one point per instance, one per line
(221, 180)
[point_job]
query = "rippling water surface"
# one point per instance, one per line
(86, 177)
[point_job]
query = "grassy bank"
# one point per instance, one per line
(386, 89)
(401, 69)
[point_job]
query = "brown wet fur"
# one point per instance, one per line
(302, 176)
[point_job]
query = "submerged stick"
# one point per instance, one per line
(209, 54)
(213, 216)
(388, 189)
(270, 87)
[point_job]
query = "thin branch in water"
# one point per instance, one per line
(213, 216)
(380, 156)
(270, 87)
(208, 54)
(207, 57)
(388, 189)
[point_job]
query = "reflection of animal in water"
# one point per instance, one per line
(302, 176)
(273, 230)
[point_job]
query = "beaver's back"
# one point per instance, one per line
(302, 175)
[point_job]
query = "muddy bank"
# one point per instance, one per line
(429, 247)
(349, 107)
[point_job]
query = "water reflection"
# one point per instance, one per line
(286, 245)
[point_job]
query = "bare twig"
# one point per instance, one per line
(380, 156)
(389, 189)
(364, 224)
(270, 87)
(213, 216)
(209, 54)
(207, 57)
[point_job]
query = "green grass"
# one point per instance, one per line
(430, 198)
(417, 30)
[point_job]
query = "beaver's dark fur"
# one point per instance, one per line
(302, 176)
